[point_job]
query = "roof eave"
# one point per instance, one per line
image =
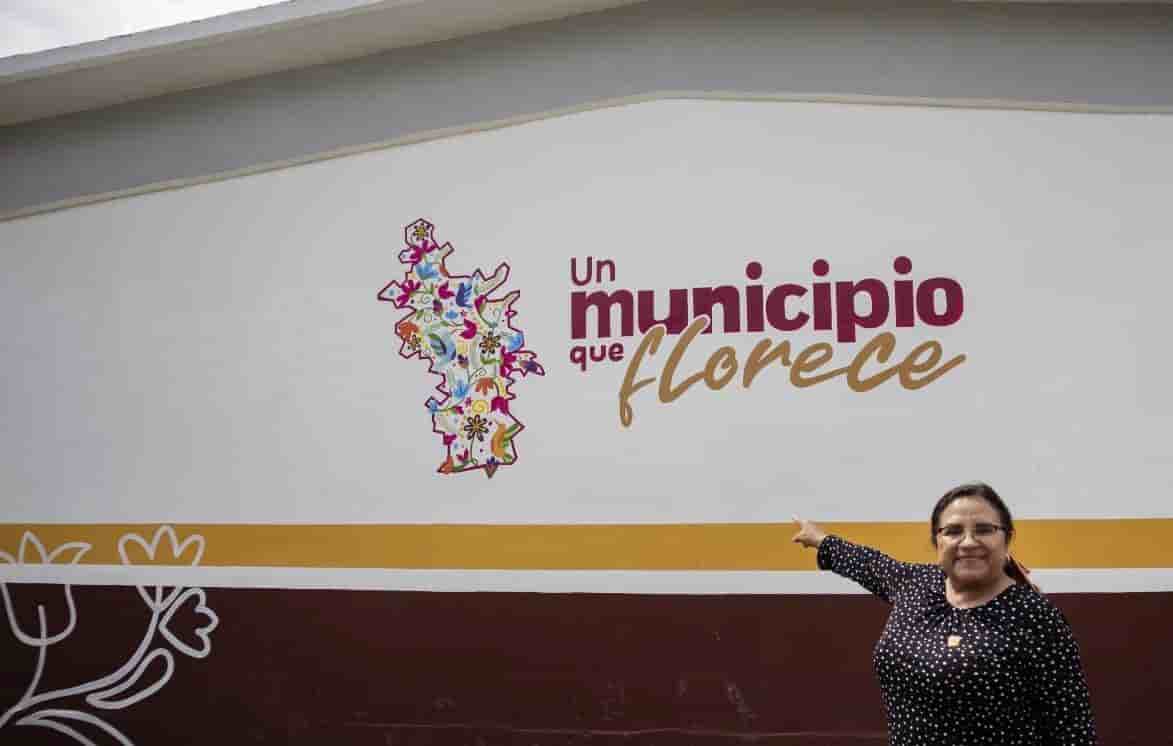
(288, 35)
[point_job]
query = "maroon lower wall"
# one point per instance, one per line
(487, 669)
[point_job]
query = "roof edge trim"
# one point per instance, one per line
(1062, 107)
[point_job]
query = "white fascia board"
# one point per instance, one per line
(289, 35)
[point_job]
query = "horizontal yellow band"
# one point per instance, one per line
(1115, 543)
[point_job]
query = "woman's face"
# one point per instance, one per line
(971, 543)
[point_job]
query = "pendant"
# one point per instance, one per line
(954, 641)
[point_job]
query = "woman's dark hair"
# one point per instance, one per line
(987, 493)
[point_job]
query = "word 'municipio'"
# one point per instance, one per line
(937, 301)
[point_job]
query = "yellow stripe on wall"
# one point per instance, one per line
(1116, 543)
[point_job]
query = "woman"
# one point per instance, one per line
(972, 653)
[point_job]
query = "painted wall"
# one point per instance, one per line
(207, 400)
(233, 326)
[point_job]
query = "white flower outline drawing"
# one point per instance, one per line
(178, 549)
(29, 539)
(203, 633)
(121, 688)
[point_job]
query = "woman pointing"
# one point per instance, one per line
(972, 653)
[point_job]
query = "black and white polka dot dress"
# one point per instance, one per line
(1004, 673)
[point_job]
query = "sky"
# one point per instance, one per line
(35, 25)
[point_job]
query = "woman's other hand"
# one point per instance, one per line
(809, 535)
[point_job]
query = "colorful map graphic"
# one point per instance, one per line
(470, 342)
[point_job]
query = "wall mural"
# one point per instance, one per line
(470, 343)
(148, 667)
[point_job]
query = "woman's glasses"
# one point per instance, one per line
(981, 531)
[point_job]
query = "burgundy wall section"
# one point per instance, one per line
(487, 669)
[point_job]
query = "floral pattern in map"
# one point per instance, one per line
(470, 342)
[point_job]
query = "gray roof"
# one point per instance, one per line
(293, 34)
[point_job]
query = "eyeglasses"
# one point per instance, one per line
(981, 531)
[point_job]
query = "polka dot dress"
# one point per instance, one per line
(1003, 673)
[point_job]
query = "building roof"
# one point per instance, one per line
(288, 35)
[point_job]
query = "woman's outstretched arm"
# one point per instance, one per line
(872, 569)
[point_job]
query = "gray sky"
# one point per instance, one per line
(35, 25)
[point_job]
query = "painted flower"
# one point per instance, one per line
(184, 620)
(406, 330)
(165, 548)
(51, 625)
(476, 427)
(420, 230)
(489, 343)
(191, 640)
(135, 550)
(406, 289)
(485, 385)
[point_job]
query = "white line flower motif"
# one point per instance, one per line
(203, 633)
(150, 665)
(32, 552)
(156, 598)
